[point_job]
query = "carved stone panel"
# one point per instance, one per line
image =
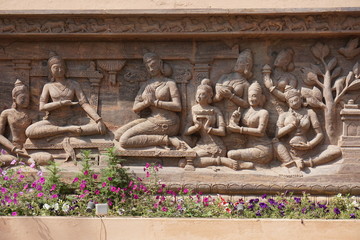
(236, 103)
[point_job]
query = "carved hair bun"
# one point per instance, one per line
(206, 81)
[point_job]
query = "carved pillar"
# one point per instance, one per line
(22, 70)
(201, 71)
(95, 92)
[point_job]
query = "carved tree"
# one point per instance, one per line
(325, 81)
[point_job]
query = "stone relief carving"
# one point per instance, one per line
(240, 23)
(279, 119)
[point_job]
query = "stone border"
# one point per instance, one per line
(192, 25)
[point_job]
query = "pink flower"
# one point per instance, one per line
(112, 189)
(185, 190)
(3, 152)
(54, 196)
(32, 165)
(86, 172)
(53, 187)
(147, 165)
(97, 192)
(14, 214)
(75, 180)
(103, 184)
(21, 176)
(110, 178)
(147, 174)
(136, 196)
(40, 194)
(164, 209)
(95, 176)
(3, 190)
(39, 173)
(13, 162)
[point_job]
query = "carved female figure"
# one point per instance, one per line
(232, 89)
(161, 95)
(282, 75)
(57, 99)
(17, 119)
(296, 123)
(258, 148)
(208, 122)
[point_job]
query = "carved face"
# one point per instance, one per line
(58, 70)
(153, 67)
(22, 100)
(294, 102)
(202, 97)
(255, 98)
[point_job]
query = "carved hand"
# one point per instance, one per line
(268, 82)
(67, 103)
(301, 146)
(101, 127)
(226, 93)
(21, 152)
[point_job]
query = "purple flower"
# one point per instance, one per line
(271, 201)
(258, 213)
(322, 206)
(3, 190)
(13, 162)
(337, 211)
(250, 207)
(110, 178)
(40, 194)
(54, 196)
(304, 210)
(21, 176)
(3, 152)
(297, 200)
(263, 205)
(136, 196)
(39, 173)
(281, 206)
(263, 196)
(164, 209)
(32, 165)
(95, 176)
(86, 172)
(352, 215)
(14, 214)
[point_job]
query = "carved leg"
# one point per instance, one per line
(327, 154)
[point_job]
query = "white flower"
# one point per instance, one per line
(55, 206)
(65, 207)
(339, 195)
(46, 206)
(355, 204)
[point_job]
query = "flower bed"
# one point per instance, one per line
(126, 195)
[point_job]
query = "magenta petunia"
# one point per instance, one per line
(40, 194)
(14, 214)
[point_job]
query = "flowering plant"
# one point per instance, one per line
(128, 195)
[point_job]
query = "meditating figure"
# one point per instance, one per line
(58, 99)
(291, 145)
(17, 120)
(258, 147)
(161, 96)
(232, 90)
(208, 122)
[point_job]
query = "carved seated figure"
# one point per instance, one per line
(208, 122)
(57, 100)
(161, 95)
(258, 147)
(17, 119)
(297, 150)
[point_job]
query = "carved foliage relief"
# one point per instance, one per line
(264, 107)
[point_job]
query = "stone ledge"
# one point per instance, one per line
(16, 228)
